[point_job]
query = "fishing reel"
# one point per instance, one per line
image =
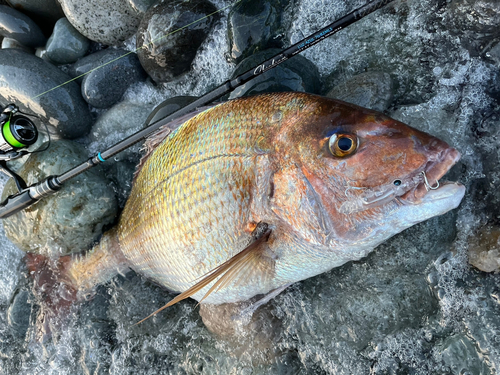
(17, 133)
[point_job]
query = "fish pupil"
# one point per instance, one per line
(397, 182)
(344, 144)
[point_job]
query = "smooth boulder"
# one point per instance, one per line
(254, 26)
(104, 21)
(170, 36)
(25, 80)
(69, 221)
(297, 74)
(115, 70)
(15, 25)
(66, 44)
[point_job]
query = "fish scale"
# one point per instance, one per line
(205, 177)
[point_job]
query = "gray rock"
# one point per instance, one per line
(92, 61)
(164, 56)
(66, 44)
(494, 53)
(372, 90)
(297, 74)
(105, 86)
(475, 23)
(121, 174)
(43, 9)
(484, 249)
(69, 221)
(255, 26)
(18, 314)
(459, 354)
(141, 6)
(41, 52)
(15, 25)
(24, 76)
(12, 43)
(116, 124)
(104, 21)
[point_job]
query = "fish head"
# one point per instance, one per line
(365, 176)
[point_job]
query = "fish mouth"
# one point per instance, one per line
(426, 179)
(421, 186)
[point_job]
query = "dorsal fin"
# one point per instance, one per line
(249, 260)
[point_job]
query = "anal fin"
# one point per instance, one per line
(236, 270)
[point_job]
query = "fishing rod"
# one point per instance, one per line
(29, 195)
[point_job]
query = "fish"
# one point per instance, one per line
(257, 193)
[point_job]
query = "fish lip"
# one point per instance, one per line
(434, 170)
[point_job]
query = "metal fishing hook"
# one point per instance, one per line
(427, 185)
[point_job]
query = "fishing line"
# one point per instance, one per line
(159, 117)
(145, 46)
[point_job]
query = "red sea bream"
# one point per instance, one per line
(323, 180)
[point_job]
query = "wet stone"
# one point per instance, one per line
(93, 60)
(459, 354)
(45, 10)
(104, 21)
(484, 249)
(297, 74)
(121, 174)
(255, 26)
(116, 124)
(66, 44)
(15, 25)
(24, 76)
(475, 23)
(141, 6)
(19, 312)
(165, 58)
(105, 86)
(69, 221)
(372, 90)
(12, 43)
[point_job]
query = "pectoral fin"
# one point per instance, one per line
(250, 261)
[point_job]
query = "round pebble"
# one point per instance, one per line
(296, 74)
(66, 44)
(106, 85)
(45, 10)
(104, 21)
(164, 56)
(12, 43)
(23, 77)
(120, 121)
(69, 221)
(18, 26)
(255, 26)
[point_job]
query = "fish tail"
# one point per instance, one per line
(60, 283)
(96, 266)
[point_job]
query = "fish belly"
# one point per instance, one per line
(190, 205)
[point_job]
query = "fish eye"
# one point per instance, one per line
(397, 182)
(343, 144)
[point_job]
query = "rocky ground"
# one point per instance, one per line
(425, 302)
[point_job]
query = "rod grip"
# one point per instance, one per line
(29, 196)
(16, 203)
